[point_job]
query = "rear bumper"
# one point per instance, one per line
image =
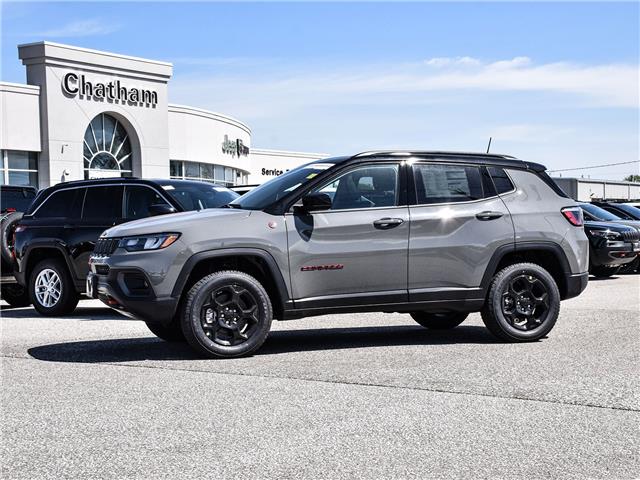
(575, 284)
(111, 289)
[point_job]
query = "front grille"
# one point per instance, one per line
(631, 235)
(106, 246)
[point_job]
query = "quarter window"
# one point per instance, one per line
(63, 203)
(364, 187)
(436, 183)
(501, 180)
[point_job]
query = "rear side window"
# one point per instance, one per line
(501, 180)
(62, 204)
(138, 199)
(104, 203)
(436, 183)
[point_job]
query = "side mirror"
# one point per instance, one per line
(316, 202)
(161, 209)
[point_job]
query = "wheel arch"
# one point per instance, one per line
(548, 255)
(37, 253)
(255, 262)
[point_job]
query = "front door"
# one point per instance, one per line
(355, 253)
(456, 226)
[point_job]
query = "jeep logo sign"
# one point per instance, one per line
(234, 147)
(74, 84)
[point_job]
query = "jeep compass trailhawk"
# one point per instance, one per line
(434, 234)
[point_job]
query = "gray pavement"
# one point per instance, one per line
(342, 396)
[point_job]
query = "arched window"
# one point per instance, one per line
(107, 149)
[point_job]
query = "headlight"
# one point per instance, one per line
(148, 242)
(608, 234)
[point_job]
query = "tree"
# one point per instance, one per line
(632, 178)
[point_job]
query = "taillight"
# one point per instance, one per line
(573, 216)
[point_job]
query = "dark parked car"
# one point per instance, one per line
(611, 246)
(13, 201)
(57, 234)
(622, 210)
(594, 213)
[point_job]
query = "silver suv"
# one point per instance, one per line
(434, 234)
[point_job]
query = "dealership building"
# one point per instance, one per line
(91, 114)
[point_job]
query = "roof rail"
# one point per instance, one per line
(409, 153)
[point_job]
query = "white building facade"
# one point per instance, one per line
(91, 114)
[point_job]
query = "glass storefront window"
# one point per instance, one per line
(207, 172)
(175, 168)
(107, 149)
(19, 168)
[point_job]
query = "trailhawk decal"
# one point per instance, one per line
(314, 268)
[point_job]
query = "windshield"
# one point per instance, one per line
(633, 212)
(599, 213)
(199, 195)
(276, 188)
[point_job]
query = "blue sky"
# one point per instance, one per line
(555, 83)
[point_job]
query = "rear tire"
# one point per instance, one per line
(523, 303)
(15, 295)
(439, 321)
(604, 272)
(227, 314)
(168, 333)
(51, 289)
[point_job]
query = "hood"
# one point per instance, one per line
(617, 226)
(174, 221)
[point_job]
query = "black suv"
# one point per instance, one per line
(57, 234)
(14, 200)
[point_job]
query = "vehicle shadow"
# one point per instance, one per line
(290, 341)
(80, 313)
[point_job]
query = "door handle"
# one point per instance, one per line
(488, 215)
(67, 225)
(387, 223)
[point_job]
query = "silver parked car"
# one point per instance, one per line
(434, 234)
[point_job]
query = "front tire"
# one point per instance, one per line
(15, 295)
(604, 272)
(227, 314)
(439, 321)
(168, 333)
(523, 303)
(51, 289)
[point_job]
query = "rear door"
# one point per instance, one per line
(457, 223)
(102, 209)
(356, 252)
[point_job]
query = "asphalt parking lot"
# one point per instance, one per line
(343, 396)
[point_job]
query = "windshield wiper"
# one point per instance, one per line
(233, 205)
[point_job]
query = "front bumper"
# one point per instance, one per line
(620, 253)
(114, 289)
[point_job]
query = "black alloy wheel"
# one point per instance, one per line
(525, 302)
(230, 316)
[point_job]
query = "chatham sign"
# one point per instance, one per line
(77, 85)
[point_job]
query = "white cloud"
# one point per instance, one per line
(79, 28)
(294, 87)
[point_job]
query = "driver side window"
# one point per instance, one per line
(367, 186)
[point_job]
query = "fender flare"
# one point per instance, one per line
(523, 247)
(274, 271)
(43, 245)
